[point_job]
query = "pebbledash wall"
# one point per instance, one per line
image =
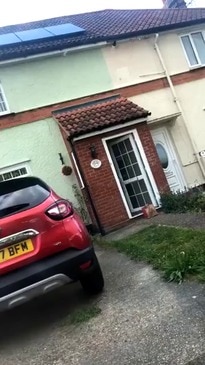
(102, 185)
(36, 146)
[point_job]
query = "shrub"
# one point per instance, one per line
(191, 200)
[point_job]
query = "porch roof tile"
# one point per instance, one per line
(85, 119)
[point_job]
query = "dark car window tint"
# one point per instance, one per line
(21, 194)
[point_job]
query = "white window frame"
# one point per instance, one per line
(199, 64)
(14, 167)
(7, 111)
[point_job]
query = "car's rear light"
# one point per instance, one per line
(60, 210)
(86, 265)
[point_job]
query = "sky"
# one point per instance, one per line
(21, 11)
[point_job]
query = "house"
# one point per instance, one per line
(118, 93)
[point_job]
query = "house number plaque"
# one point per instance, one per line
(95, 164)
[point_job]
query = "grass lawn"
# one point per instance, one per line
(178, 253)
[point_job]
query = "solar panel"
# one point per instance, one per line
(9, 38)
(65, 29)
(33, 34)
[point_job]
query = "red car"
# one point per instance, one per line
(43, 243)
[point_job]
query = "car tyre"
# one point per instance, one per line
(92, 280)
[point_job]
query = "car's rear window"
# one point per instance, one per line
(21, 194)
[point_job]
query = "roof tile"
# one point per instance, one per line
(84, 119)
(102, 25)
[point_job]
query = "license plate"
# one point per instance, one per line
(18, 249)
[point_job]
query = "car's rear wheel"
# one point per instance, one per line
(92, 280)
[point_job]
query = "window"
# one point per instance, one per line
(23, 194)
(13, 172)
(4, 109)
(162, 155)
(194, 46)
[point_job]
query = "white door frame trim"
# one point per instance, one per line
(145, 162)
(173, 154)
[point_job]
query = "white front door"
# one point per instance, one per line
(168, 159)
(131, 173)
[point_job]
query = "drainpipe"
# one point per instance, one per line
(176, 100)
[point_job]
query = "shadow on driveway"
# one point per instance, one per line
(41, 314)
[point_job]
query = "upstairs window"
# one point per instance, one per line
(194, 46)
(4, 109)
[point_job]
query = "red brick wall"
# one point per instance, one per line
(101, 182)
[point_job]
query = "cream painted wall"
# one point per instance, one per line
(136, 61)
(132, 62)
(161, 104)
(56, 79)
(39, 142)
(192, 98)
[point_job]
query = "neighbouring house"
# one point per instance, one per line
(72, 86)
(174, 3)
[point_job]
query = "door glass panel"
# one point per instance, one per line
(120, 162)
(141, 200)
(122, 147)
(130, 189)
(138, 194)
(128, 145)
(162, 155)
(116, 150)
(134, 202)
(124, 174)
(147, 198)
(136, 187)
(137, 169)
(126, 159)
(132, 157)
(142, 185)
(131, 172)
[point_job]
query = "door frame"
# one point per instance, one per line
(172, 154)
(144, 161)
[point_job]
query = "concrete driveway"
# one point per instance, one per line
(143, 321)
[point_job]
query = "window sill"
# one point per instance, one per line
(192, 68)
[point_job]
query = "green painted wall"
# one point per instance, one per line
(51, 80)
(40, 143)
